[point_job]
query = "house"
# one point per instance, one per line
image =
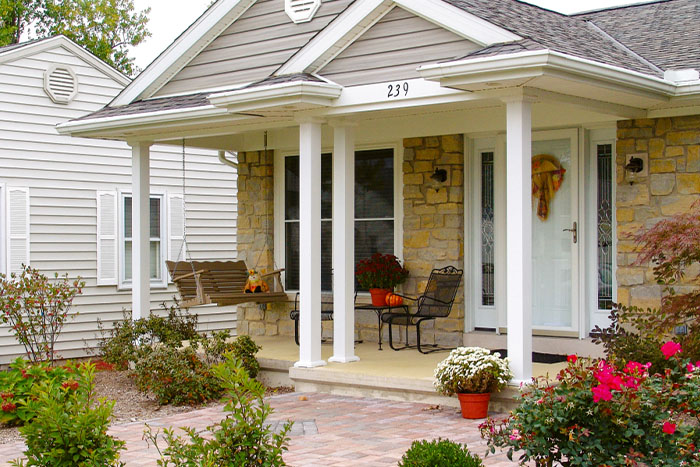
(64, 201)
(557, 134)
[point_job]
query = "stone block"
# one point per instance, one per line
(455, 194)
(457, 177)
(625, 146)
(629, 229)
(412, 142)
(644, 122)
(256, 328)
(658, 166)
(630, 276)
(674, 151)
(271, 329)
(416, 239)
(688, 183)
(436, 196)
(693, 160)
(625, 123)
(662, 184)
(424, 209)
(632, 195)
(678, 138)
(412, 192)
(452, 158)
(413, 179)
(285, 327)
(447, 234)
(642, 145)
(423, 166)
(656, 148)
(407, 168)
(623, 295)
(644, 213)
(453, 143)
(434, 253)
(252, 157)
(449, 208)
(454, 221)
(672, 205)
(690, 122)
(427, 154)
(625, 215)
(432, 142)
(411, 223)
(663, 125)
(427, 221)
(636, 133)
(242, 328)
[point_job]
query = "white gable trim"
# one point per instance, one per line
(190, 43)
(363, 14)
(33, 48)
(313, 93)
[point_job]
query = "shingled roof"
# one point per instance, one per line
(666, 32)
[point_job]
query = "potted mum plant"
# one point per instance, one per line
(472, 373)
(380, 274)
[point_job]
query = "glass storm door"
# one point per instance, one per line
(555, 230)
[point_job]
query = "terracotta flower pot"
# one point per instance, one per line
(379, 296)
(474, 405)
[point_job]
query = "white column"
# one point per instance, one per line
(140, 225)
(344, 243)
(310, 244)
(519, 237)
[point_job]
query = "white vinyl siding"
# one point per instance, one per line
(252, 48)
(63, 175)
(393, 49)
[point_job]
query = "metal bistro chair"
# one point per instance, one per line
(435, 302)
(326, 312)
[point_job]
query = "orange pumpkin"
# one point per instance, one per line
(393, 300)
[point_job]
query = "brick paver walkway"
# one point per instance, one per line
(330, 431)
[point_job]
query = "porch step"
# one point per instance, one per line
(334, 381)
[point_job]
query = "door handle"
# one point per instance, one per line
(573, 230)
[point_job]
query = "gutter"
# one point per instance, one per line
(224, 160)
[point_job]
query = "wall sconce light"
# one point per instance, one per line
(440, 175)
(635, 165)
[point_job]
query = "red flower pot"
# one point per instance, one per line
(379, 296)
(474, 405)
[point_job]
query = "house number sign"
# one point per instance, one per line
(398, 90)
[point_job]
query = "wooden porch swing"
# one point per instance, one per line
(219, 282)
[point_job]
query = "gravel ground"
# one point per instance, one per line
(130, 405)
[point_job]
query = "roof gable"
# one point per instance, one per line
(393, 49)
(252, 48)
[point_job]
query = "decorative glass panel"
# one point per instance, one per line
(605, 227)
(487, 243)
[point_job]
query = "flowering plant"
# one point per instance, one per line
(472, 370)
(380, 272)
(602, 414)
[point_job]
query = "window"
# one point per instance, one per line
(486, 231)
(374, 211)
(157, 238)
(605, 227)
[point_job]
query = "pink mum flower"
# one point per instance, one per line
(670, 348)
(515, 435)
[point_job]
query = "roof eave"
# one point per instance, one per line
(303, 93)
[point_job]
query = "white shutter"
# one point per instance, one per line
(17, 228)
(107, 238)
(176, 227)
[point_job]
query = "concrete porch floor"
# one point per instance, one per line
(405, 375)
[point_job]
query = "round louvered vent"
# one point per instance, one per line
(60, 83)
(301, 11)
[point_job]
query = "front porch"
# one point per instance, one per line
(401, 376)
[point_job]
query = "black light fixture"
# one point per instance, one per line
(635, 165)
(440, 175)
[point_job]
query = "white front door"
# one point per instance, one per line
(555, 231)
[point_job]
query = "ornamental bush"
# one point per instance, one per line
(380, 272)
(18, 383)
(439, 453)
(472, 370)
(70, 427)
(604, 414)
(36, 309)
(242, 438)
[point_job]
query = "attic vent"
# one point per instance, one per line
(60, 83)
(301, 11)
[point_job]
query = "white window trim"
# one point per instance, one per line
(597, 137)
(3, 231)
(161, 283)
(279, 202)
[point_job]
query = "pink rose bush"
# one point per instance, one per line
(602, 414)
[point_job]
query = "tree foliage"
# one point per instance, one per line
(107, 28)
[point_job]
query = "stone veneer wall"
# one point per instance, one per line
(256, 241)
(434, 223)
(672, 186)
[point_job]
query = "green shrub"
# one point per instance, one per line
(439, 453)
(17, 384)
(243, 348)
(128, 340)
(176, 376)
(241, 439)
(70, 427)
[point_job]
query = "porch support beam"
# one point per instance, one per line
(519, 236)
(140, 233)
(310, 244)
(343, 242)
